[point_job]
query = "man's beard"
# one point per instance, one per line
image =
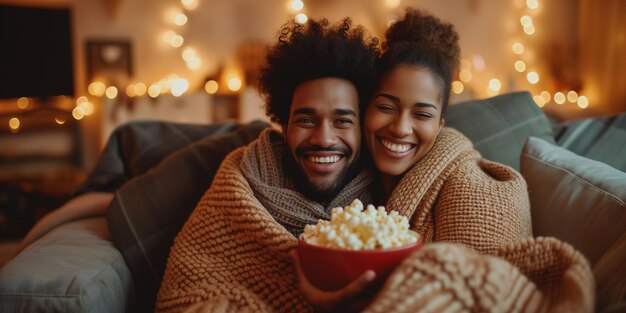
(324, 193)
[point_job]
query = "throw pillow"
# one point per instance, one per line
(499, 126)
(149, 210)
(582, 202)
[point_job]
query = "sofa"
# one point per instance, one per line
(155, 173)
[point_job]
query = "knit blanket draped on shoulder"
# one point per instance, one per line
(232, 256)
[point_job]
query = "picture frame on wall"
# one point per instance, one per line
(109, 60)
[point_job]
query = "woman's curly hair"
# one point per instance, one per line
(317, 50)
(423, 40)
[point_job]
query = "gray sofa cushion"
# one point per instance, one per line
(149, 210)
(74, 268)
(582, 202)
(499, 126)
(601, 139)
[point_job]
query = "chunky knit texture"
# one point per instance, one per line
(454, 195)
(232, 254)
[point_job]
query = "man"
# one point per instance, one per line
(233, 252)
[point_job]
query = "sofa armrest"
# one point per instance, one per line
(73, 268)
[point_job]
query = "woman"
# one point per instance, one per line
(471, 208)
(430, 173)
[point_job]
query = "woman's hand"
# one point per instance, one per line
(351, 298)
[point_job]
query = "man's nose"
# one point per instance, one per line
(324, 136)
(401, 126)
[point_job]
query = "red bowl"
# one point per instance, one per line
(330, 269)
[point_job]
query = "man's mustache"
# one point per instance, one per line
(341, 149)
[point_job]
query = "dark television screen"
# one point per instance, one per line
(35, 52)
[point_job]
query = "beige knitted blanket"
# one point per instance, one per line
(232, 255)
(454, 195)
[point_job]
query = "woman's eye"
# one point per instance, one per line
(385, 108)
(422, 115)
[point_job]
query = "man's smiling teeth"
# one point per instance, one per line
(324, 160)
(394, 146)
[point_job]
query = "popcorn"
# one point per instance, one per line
(353, 228)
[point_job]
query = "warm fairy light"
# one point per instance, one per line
(517, 48)
(190, 4)
(189, 53)
(457, 87)
(176, 41)
(168, 35)
(194, 63)
(180, 19)
(520, 66)
(392, 4)
(532, 4)
(572, 96)
(59, 120)
(81, 99)
(532, 77)
(559, 98)
(295, 5)
(583, 102)
(130, 90)
(78, 113)
(494, 84)
(139, 89)
(154, 90)
(539, 100)
(211, 87)
(87, 107)
(465, 76)
(179, 86)
(234, 84)
(96, 89)
(23, 103)
(546, 96)
(111, 92)
(14, 123)
(529, 29)
(526, 20)
(301, 18)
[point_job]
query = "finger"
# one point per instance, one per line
(356, 286)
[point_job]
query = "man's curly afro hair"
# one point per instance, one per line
(423, 40)
(317, 50)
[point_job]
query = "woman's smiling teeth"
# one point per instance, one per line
(324, 160)
(395, 147)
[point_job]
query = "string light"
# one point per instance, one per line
(392, 4)
(23, 103)
(583, 102)
(234, 84)
(520, 66)
(78, 113)
(301, 18)
(546, 96)
(532, 77)
(154, 90)
(517, 48)
(179, 86)
(111, 92)
(190, 4)
(532, 4)
(457, 87)
(465, 75)
(211, 87)
(59, 120)
(559, 98)
(295, 5)
(539, 100)
(14, 123)
(572, 96)
(96, 88)
(139, 89)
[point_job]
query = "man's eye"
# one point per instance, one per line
(344, 122)
(305, 120)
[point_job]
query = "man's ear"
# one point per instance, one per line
(442, 122)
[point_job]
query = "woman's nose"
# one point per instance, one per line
(401, 125)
